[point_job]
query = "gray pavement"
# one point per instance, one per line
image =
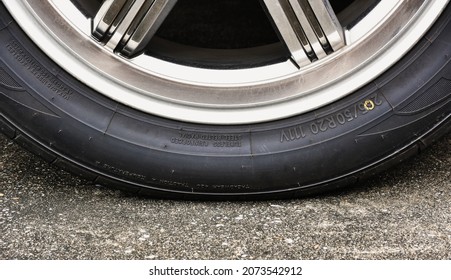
(46, 213)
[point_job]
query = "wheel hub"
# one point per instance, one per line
(323, 55)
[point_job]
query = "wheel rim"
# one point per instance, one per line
(309, 68)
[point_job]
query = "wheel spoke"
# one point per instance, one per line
(126, 26)
(309, 28)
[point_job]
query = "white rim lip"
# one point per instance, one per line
(225, 113)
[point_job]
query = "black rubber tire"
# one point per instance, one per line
(68, 124)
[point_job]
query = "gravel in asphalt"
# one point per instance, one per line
(46, 213)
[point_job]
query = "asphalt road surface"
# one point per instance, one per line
(46, 213)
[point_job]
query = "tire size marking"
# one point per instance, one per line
(207, 140)
(39, 72)
(332, 121)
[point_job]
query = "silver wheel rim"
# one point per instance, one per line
(319, 72)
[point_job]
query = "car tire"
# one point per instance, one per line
(72, 126)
